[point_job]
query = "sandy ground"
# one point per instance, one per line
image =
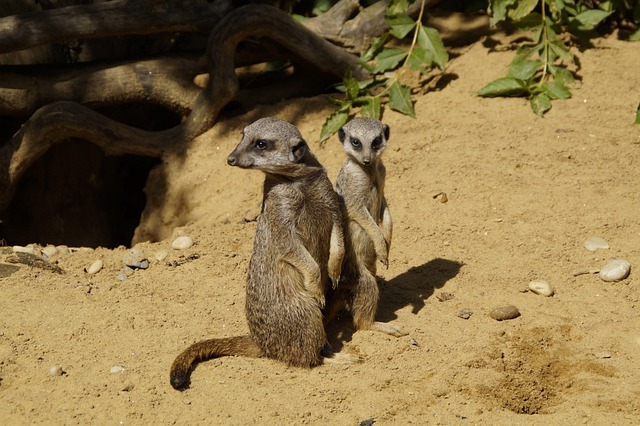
(524, 193)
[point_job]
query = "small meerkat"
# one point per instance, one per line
(368, 226)
(298, 250)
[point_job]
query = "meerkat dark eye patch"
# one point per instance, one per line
(377, 142)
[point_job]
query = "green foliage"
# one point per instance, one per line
(539, 70)
(637, 115)
(386, 65)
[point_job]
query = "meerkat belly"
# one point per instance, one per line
(283, 319)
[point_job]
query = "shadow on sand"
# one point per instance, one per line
(411, 288)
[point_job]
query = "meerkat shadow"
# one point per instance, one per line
(414, 287)
(411, 288)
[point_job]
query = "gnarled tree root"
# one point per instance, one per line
(62, 120)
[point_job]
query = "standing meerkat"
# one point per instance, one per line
(298, 249)
(368, 227)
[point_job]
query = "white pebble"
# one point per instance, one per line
(55, 370)
(541, 287)
(182, 243)
(95, 267)
(50, 251)
(616, 270)
(161, 255)
(22, 249)
(595, 243)
(116, 369)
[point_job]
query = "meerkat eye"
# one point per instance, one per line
(261, 144)
(356, 143)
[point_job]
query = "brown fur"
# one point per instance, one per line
(368, 226)
(297, 251)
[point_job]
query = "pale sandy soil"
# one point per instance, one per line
(524, 193)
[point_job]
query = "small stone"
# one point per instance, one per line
(541, 287)
(504, 313)
(95, 267)
(122, 276)
(116, 369)
(182, 243)
(595, 243)
(50, 251)
(136, 259)
(161, 255)
(22, 249)
(444, 296)
(465, 314)
(63, 249)
(616, 270)
(55, 370)
(603, 355)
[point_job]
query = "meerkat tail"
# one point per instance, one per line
(208, 349)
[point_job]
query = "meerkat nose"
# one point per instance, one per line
(231, 160)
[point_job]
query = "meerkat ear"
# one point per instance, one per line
(298, 151)
(341, 134)
(385, 130)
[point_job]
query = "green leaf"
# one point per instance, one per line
(388, 59)
(555, 90)
(561, 51)
(376, 46)
(522, 9)
(530, 21)
(524, 69)
(336, 120)
(635, 36)
(589, 19)
(429, 40)
(371, 106)
(562, 75)
(321, 6)
(637, 115)
(401, 25)
(540, 103)
(524, 52)
(505, 86)
(352, 89)
(397, 7)
(498, 10)
(400, 99)
(419, 59)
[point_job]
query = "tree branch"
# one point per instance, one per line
(112, 18)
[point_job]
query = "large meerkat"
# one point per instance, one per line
(368, 226)
(298, 250)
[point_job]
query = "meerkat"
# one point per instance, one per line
(368, 226)
(298, 250)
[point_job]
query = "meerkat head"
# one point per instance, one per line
(273, 146)
(364, 139)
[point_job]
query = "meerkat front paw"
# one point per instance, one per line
(313, 285)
